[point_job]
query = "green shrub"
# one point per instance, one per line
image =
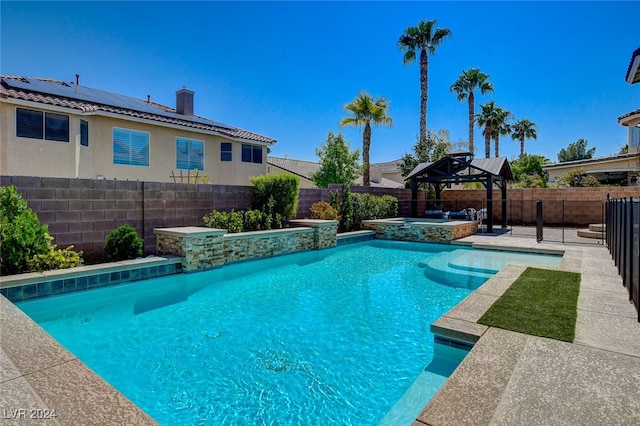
(276, 195)
(123, 243)
(323, 210)
(55, 258)
(22, 236)
(231, 221)
(356, 207)
(253, 220)
(347, 222)
(369, 207)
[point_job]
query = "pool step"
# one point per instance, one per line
(439, 269)
(596, 231)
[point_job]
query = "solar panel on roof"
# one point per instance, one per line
(88, 94)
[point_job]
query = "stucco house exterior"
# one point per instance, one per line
(616, 169)
(57, 129)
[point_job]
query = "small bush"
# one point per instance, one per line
(123, 243)
(55, 258)
(355, 207)
(253, 220)
(323, 210)
(22, 236)
(276, 194)
(231, 221)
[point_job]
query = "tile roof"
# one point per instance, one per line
(629, 114)
(16, 87)
(633, 70)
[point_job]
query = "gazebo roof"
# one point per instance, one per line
(458, 166)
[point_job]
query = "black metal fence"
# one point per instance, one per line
(561, 222)
(623, 236)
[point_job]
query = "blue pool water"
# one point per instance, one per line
(333, 336)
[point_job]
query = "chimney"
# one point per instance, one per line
(184, 101)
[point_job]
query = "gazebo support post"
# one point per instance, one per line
(504, 204)
(489, 203)
(414, 198)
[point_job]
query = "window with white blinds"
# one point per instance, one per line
(189, 154)
(130, 147)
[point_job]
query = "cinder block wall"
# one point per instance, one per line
(568, 206)
(83, 211)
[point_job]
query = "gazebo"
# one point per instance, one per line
(460, 167)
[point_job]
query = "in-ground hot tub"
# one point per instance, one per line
(421, 230)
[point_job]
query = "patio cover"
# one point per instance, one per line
(460, 167)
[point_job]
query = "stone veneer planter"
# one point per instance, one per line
(205, 248)
(441, 231)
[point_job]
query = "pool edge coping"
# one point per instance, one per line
(459, 324)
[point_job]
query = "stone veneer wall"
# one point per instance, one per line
(255, 245)
(200, 248)
(206, 248)
(440, 232)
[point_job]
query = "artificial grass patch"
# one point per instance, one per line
(540, 302)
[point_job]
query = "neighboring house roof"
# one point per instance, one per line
(388, 166)
(577, 163)
(384, 183)
(306, 168)
(633, 71)
(85, 99)
(622, 118)
(297, 167)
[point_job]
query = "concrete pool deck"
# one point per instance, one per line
(507, 378)
(510, 378)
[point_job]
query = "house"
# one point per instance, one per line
(304, 169)
(621, 169)
(58, 129)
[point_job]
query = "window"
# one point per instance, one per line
(38, 125)
(189, 154)
(635, 135)
(226, 151)
(84, 133)
(251, 153)
(130, 147)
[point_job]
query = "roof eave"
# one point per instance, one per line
(633, 72)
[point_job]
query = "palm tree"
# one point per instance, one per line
(425, 38)
(485, 119)
(464, 86)
(365, 110)
(500, 127)
(523, 129)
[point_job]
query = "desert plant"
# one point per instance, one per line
(323, 210)
(22, 236)
(123, 243)
(55, 258)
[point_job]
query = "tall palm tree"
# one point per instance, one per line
(486, 118)
(500, 127)
(464, 87)
(365, 110)
(523, 129)
(424, 38)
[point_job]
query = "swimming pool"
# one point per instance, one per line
(340, 335)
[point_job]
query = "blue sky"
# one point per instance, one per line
(286, 69)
